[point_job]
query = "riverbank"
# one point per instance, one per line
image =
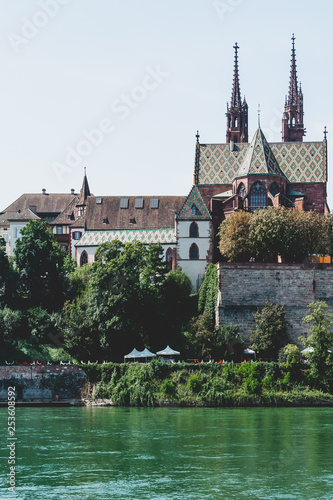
(203, 385)
(163, 385)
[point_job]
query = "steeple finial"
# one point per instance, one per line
(198, 136)
(259, 111)
(325, 133)
(235, 96)
(293, 87)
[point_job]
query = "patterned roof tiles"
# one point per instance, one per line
(299, 161)
(194, 199)
(95, 238)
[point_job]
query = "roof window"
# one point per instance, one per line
(99, 200)
(139, 202)
(154, 203)
(123, 202)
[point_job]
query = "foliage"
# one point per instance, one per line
(125, 299)
(200, 336)
(229, 343)
(320, 342)
(8, 277)
(289, 356)
(10, 324)
(39, 261)
(208, 293)
(234, 237)
(271, 330)
(41, 325)
(293, 234)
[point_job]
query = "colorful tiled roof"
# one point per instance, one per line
(194, 199)
(299, 161)
(259, 158)
(95, 238)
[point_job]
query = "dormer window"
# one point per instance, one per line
(195, 210)
(105, 220)
(133, 221)
(123, 202)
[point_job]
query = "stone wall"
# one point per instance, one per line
(244, 287)
(36, 382)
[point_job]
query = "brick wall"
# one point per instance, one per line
(244, 287)
(42, 382)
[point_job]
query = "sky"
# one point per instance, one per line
(121, 87)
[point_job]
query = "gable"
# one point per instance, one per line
(194, 199)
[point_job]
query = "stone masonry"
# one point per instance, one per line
(244, 287)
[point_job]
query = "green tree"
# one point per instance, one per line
(10, 324)
(122, 303)
(200, 337)
(209, 292)
(8, 277)
(320, 343)
(229, 343)
(270, 333)
(233, 234)
(39, 261)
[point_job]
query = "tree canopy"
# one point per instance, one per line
(290, 233)
(39, 261)
(270, 333)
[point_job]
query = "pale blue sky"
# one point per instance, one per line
(174, 59)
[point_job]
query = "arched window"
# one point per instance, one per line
(257, 196)
(168, 257)
(236, 122)
(274, 190)
(241, 190)
(194, 210)
(194, 230)
(83, 258)
(293, 121)
(194, 252)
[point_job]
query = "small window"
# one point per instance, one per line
(59, 229)
(83, 258)
(195, 210)
(154, 203)
(123, 202)
(69, 217)
(80, 212)
(105, 220)
(133, 221)
(194, 252)
(194, 230)
(18, 232)
(139, 202)
(64, 248)
(77, 235)
(168, 258)
(99, 200)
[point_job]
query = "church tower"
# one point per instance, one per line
(292, 122)
(237, 126)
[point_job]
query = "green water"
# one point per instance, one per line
(170, 453)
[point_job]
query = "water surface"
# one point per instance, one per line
(171, 453)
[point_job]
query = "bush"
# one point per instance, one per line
(195, 383)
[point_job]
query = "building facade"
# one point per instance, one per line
(230, 176)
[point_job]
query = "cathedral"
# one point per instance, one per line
(235, 175)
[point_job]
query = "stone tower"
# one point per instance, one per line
(292, 122)
(237, 112)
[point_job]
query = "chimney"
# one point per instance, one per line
(44, 191)
(72, 191)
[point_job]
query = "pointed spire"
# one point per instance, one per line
(235, 95)
(293, 87)
(85, 190)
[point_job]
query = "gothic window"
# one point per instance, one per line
(293, 121)
(194, 230)
(236, 122)
(168, 257)
(194, 210)
(194, 252)
(241, 190)
(257, 196)
(83, 258)
(274, 190)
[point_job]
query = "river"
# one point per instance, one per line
(170, 453)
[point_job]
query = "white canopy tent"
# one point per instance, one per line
(168, 352)
(249, 352)
(145, 354)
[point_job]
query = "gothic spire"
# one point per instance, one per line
(293, 87)
(237, 118)
(235, 95)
